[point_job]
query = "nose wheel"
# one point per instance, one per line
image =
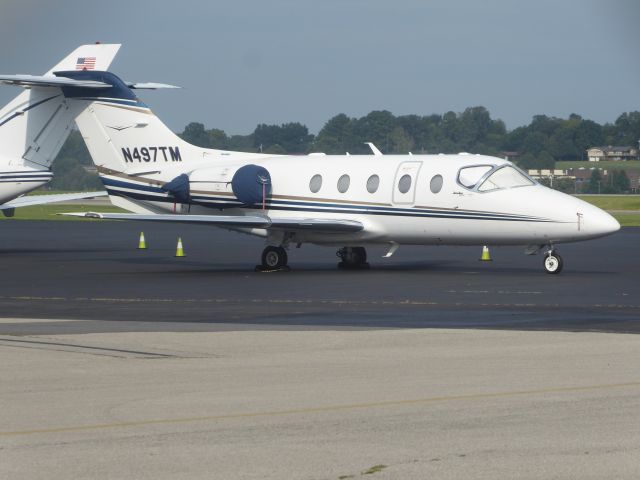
(553, 262)
(273, 259)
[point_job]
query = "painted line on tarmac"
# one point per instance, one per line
(321, 409)
(76, 348)
(276, 301)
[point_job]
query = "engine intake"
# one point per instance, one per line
(251, 184)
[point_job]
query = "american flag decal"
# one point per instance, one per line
(86, 63)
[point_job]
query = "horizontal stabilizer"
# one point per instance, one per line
(47, 81)
(150, 86)
(255, 221)
(30, 200)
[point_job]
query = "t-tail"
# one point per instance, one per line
(35, 124)
(128, 143)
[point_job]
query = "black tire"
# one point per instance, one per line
(553, 263)
(274, 258)
(353, 258)
(359, 255)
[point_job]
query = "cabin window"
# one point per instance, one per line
(343, 183)
(505, 177)
(436, 184)
(404, 184)
(470, 176)
(373, 183)
(315, 184)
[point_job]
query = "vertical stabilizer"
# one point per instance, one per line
(35, 124)
(123, 134)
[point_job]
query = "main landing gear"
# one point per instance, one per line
(353, 258)
(274, 259)
(552, 262)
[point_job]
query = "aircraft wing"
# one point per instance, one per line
(316, 224)
(49, 81)
(248, 221)
(42, 199)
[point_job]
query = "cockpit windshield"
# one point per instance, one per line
(470, 176)
(487, 178)
(505, 177)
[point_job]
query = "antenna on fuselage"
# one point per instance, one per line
(373, 148)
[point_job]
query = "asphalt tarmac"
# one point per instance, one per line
(119, 363)
(93, 271)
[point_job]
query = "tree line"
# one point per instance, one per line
(538, 145)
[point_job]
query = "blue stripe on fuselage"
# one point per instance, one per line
(141, 192)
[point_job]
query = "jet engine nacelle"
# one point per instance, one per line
(250, 184)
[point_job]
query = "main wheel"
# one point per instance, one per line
(274, 257)
(359, 255)
(353, 258)
(553, 263)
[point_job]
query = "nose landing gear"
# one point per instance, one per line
(353, 258)
(553, 262)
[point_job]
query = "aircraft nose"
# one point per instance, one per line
(599, 223)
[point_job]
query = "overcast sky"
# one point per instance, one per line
(244, 62)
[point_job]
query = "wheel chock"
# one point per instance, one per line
(262, 269)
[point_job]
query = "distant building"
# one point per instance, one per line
(581, 176)
(547, 173)
(598, 154)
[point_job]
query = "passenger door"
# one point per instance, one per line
(404, 184)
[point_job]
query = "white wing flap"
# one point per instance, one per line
(43, 199)
(290, 224)
(219, 220)
(316, 224)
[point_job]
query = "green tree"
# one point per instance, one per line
(620, 181)
(218, 139)
(595, 181)
(70, 168)
(292, 137)
(627, 129)
(275, 149)
(534, 143)
(375, 127)
(473, 127)
(588, 134)
(399, 141)
(195, 134)
(336, 137)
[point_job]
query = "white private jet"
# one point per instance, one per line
(338, 200)
(35, 125)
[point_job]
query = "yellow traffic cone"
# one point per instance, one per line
(179, 250)
(486, 257)
(142, 245)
